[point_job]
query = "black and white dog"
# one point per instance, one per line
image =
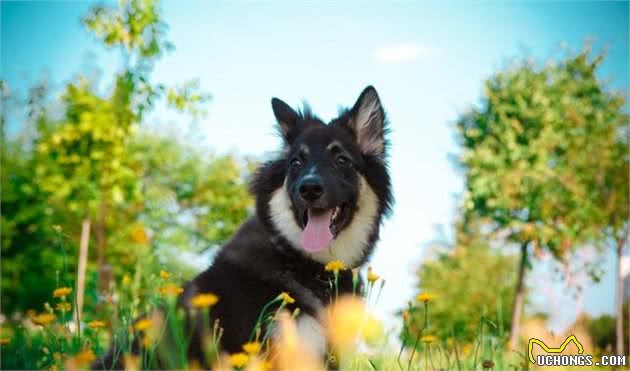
(322, 199)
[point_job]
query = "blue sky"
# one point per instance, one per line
(428, 61)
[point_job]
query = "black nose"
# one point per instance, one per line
(311, 189)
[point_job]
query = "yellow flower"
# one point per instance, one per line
(44, 319)
(335, 266)
(164, 275)
(84, 357)
(170, 289)
(96, 324)
(62, 292)
(64, 307)
(252, 347)
(259, 365)
(126, 279)
(143, 324)
(139, 235)
(428, 339)
(371, 276)
(286, 298)
(425, 297)
(239, 360)
(204, 300)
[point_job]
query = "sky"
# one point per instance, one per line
(428, 61)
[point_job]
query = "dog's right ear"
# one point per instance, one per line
(287, 119)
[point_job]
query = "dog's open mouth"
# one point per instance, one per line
(321, 226)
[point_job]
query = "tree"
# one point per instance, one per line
(532, 155)
(82, 158)
(471, 280)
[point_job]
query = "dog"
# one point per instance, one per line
(322, 199)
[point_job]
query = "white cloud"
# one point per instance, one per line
(403, 53)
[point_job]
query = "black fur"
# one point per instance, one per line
(259, 263)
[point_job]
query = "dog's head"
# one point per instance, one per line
(327, 193)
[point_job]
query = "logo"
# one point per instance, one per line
(554, 358)
(547, 349)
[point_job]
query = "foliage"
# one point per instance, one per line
(536, 148)
(469, 272)
(602, 331)
(150, 196)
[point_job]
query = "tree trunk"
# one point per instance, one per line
(83, 257)
(619, 299)
(519, 299)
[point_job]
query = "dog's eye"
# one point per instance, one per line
(342, 161)
(295, 163)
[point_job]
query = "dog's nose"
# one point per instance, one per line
(311, 189)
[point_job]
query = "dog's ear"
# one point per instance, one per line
(367, 121)
(287, 119)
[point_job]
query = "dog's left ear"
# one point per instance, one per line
(367, 121)
(287, 119)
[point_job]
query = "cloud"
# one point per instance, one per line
(403, 53)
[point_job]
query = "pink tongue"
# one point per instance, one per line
(316, 236)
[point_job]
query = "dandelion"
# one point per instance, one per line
(286, 298)
(239, 360)
(335, 266)
(371, 276)
(164, 275)
(204, 300)
(85, 357)
(252, 347)
(64, 307)
(139, 235)
(62, 292)
(96, 324)
(126, 280)
(44, 319)
(425, 297)
(170, 289)
(428, 339)
(143, 324)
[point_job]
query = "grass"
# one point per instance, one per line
(52, 339)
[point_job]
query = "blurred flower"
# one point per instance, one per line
(164, 275)
(286, 298)
(96, 324)
(428, 339)
(371, 276)
(204, 300)
(143, 324)
(170, 289)
(4, 341)
(131, 362)
(139, 235)
(289, 352)
(258, 364)
(253, 347)
(64, 307)
(80, 360)
(126, 280)
(238, 360)
(56, 228)
(335, 266)
(62, 292)
(425, 297)
(348, 320)
(44, 319)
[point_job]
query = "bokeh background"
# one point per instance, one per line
(153, 143)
